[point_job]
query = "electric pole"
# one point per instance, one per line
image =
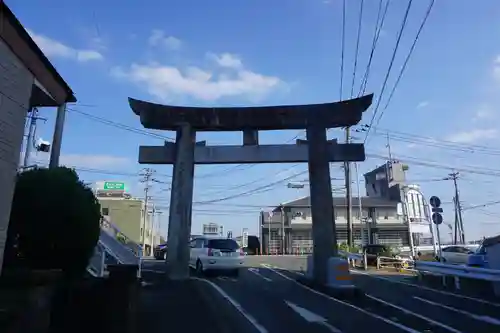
(459, 223)
(388, 146)
(347, 170)
(147, 177)
(30, 140)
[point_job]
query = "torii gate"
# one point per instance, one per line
(186, 152)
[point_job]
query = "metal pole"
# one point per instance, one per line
(269, 233)
(406, 218)
(439, 243)
(55, 152)
(144, 216)
(153, 213)
(360, 204)
(459, 208)
(261, 233)
(348, 184)
(29, 139)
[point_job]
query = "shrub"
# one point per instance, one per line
(54, 222)
(344, 247)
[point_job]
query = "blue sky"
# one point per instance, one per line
(277, 52)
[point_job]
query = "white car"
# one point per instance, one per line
(215, 254)
(456, 254)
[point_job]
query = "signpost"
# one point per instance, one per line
(114, 186)
(437, 218)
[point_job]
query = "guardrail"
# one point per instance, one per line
(485, 274)
(380, 262)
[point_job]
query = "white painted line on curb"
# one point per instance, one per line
(249, 317)
(428, 289)
(432, 321)
(256, 272)
(485, 319)
(387, 321)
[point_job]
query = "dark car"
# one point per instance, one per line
(376, 250)
(160, 252)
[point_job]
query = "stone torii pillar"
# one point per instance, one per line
(316, 151)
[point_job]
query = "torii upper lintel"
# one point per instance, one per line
(329, 115)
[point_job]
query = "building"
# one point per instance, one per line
(127, 213)
(27, 80)
(212, 229)
(383, 218)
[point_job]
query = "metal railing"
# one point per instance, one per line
(437, 268)
(110, 250)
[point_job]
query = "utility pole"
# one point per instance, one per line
(30, 140)
(360, 206)
(147, 177)
(347, 170)
(153, 213)
(459, 223)
(282, 209)
(388, 146)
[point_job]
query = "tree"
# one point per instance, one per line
(54, 222)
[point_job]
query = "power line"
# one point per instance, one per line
(124, 127)
(356, 50)
(379, 23)
(342, 51)
(391, 63)
(405, 64)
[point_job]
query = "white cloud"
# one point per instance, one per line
(473, 135)
(483, 113)
(53, 48)
(227, 60)
(159, 38)
(168, 82)
(422, 104)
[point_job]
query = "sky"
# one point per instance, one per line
(443, 115)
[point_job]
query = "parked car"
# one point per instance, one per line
(376, 250)
(215, 254)
(479, 258)
(160, 252)
(455, 254)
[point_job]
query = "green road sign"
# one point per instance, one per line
(120, 186)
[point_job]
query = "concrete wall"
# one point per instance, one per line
(15, 90)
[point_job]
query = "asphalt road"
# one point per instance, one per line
(267, 297)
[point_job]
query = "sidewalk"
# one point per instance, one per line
(179, 306)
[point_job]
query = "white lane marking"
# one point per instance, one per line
(312, 317)
(237, 306)
(486, 319)
(256, 272)
(432, 321)
(387, 321)
(428, 289)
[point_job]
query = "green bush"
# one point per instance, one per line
(344, 247)
(54, 222)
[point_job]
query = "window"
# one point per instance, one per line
(105, 211)
(223, 244)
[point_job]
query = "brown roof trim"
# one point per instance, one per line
(23, 46)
